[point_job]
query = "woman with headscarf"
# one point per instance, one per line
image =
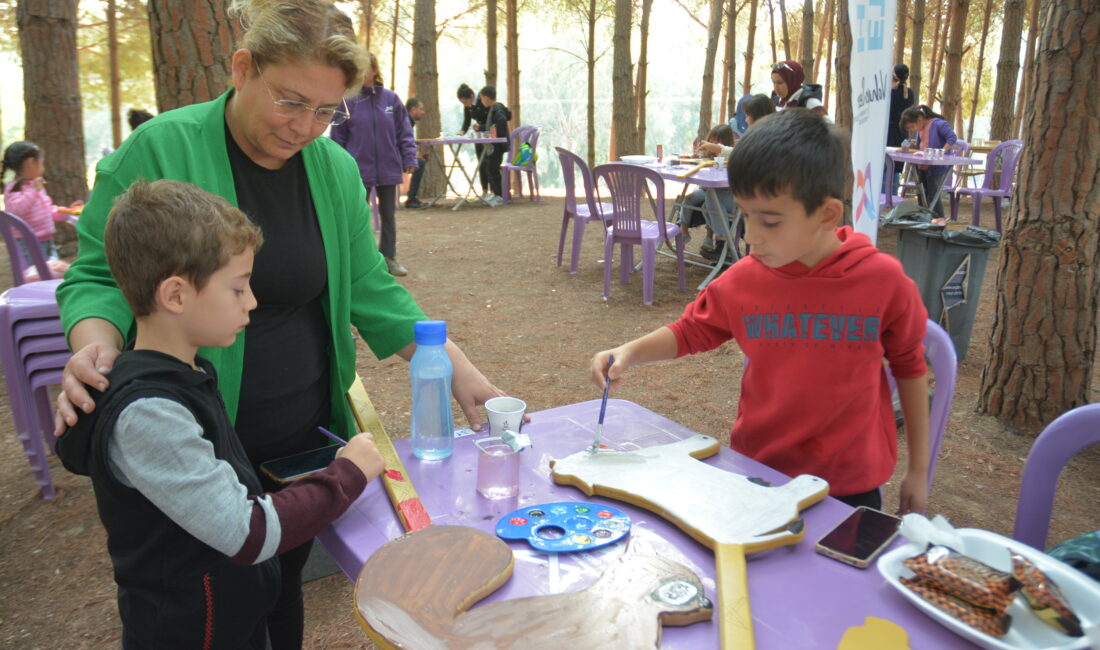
(790, 90)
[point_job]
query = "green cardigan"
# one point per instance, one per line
(188, 144)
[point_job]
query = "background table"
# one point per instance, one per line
(454, 143)
(913, 160)
(800, 599)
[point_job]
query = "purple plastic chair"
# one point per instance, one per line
(954, 179)
(1063, 438)
(628, 186)
(11, 224)
(578, 213)
(522, 134)
(997, 185)
(33, 352)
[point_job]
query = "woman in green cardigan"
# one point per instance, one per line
(318, 273)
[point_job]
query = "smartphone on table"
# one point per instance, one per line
(860, 538)
(290, 468)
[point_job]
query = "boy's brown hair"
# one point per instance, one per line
(165, 228)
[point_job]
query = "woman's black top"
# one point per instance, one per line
(898, 103)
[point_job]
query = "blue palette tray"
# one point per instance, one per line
(565, 526)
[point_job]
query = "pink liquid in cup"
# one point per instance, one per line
(497, 469)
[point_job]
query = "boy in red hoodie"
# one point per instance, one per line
(816, 308)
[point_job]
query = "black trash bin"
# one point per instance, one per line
(948, 267)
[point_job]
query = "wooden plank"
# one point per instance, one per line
(403, 496)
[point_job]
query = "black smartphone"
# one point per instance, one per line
(860, 537)
(289, 468)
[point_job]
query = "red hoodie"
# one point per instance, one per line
(815, 399)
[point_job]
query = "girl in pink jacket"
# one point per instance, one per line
(25, 195)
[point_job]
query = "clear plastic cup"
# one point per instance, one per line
(497, 469)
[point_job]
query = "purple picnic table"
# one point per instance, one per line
(913, 158)
(455, 142)
(799, 598)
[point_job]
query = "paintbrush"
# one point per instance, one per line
(332, 436)
(603, 408)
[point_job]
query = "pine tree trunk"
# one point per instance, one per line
(426, 79)
(724, 94)
(1008, 67)
(112, 64)
(731, 54)
(590, 53)
(366, 22)
(952, 85)
(393, 42)
(1029, 61)
(786, 36)
(823, 30)
(1043, 344)
(491, 43)
(918, 45)
(706, 100)
(939, 47)
(843, 67)
(771, 22)
(902, 19)
(192, 44)
(512, 19)
(831, 24)
(624, 142)
(978, 75)
(51, 93)
(746, 86)
(641, 89)
(808, 39)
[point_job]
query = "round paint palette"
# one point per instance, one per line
(565, 526)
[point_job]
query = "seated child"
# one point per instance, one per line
(192, 538)
(815, 308)
(699, 206)
(25, 196)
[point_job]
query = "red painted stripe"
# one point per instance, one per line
(208, 633)
(413, 514)
(395, 475)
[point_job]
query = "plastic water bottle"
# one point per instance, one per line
(430, 369)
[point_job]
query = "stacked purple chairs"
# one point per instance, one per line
(629, 185)
(579, 214)
(1063, 438)
(33, 354)
(521, 135)
(9, 225)
(997, 185)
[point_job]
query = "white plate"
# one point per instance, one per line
(1027, 631)
(639, 160)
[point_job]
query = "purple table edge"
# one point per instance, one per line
(800, 599)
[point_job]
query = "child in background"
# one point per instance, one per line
(192, 537)
(25, 195)
(935, 133)
(698, 207)
(815, 308)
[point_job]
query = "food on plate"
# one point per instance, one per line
(965, 577)
(1045, 598)
(980, 618)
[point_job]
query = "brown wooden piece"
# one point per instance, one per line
(415, 592)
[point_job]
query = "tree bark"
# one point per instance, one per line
(808, 39)
(641, 88)
(731, 54)
(192, 44)
(590, 50)
(978, 76)
(822, 30)
(786, 36)
(624, 118)
(366, 22)
(831, 22)
(918, 45)
(1029, 60)
(706, 100)
(952, 85)
(393, 43)
(491, 42)
(51, 93)
(512, 19)
(943, 27)
(112, 64)
(426, 80)
(843, 67)
(1043, 344)
(899, 40)
(771, 22)
(746, 86)
(1008, 67)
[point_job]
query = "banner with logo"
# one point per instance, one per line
(872, 69)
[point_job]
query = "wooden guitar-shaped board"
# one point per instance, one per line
(725, 511)
(415, 591)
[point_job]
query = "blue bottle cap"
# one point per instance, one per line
(430, 332)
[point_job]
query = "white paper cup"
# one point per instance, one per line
(505, 413)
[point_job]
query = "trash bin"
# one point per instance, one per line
(948, 267)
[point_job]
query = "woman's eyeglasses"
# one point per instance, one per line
(294, 108)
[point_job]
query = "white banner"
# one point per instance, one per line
(872, 70)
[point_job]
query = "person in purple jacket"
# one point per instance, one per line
(380, 138)
(935, 133)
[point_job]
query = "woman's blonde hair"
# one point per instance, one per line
(281, 31)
